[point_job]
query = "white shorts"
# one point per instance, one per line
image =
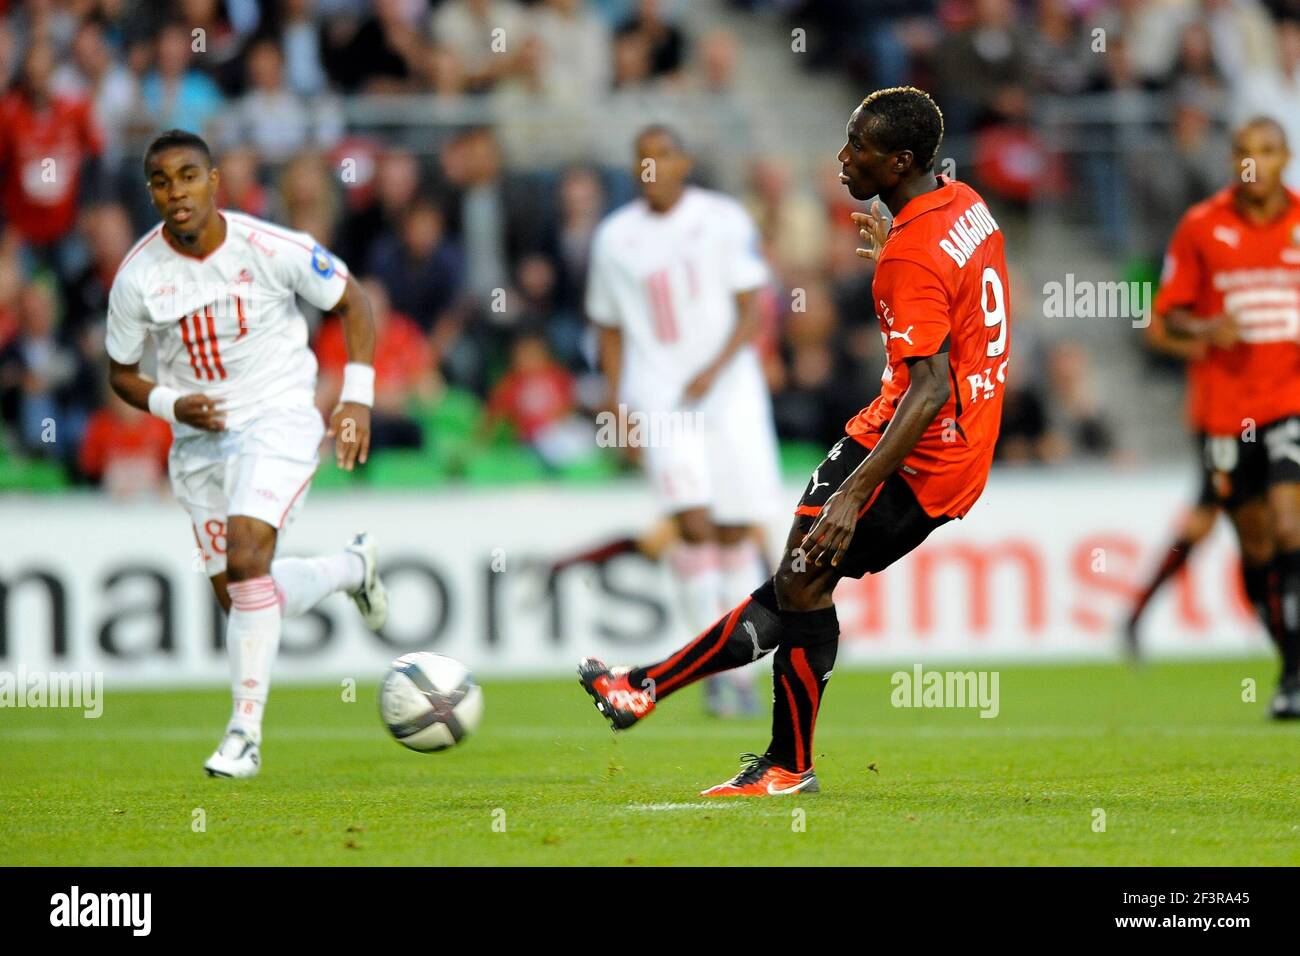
(728, 464)
(261, 470)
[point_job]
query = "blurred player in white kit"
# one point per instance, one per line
(216, 292)
(673, 288)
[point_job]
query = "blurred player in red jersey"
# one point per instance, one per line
(1232, 280)
(1195, 526)
(918, 456)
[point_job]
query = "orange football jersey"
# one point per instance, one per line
(1218, 261)
(942, 280)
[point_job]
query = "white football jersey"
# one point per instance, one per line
(669, 282)
(227, 325)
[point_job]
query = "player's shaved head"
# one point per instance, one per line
(1263, 123)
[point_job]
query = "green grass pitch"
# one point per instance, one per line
(1184, 771)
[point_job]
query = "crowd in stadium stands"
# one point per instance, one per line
(474, 252)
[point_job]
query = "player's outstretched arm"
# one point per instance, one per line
(194, 409)
(927, 393)
(350, 422)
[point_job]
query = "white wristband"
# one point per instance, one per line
(358, 384)
(162, 402)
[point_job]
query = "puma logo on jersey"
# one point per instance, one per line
(905, 336)
(1229, 237)
(816, 483)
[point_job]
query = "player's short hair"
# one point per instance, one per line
(903, 117)
(1262, 119)
(172, 139)
(662, 129)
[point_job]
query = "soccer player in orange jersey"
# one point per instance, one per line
(1232, 279)
(918, 456)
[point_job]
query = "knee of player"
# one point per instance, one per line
(247, 561)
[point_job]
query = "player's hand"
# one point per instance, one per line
(699, 386)
(350, 429)
(829, 537)
(1224, 333)
(202, 412)
(873, 227)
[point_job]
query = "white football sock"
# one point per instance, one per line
(695, 566)
(305, 582)
(741, 571)
(252, 639)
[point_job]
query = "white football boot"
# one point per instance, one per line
(371, 598)
(237, 756)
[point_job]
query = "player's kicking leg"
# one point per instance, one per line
(1284, 505)
(791, 614)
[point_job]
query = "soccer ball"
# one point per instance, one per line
(429, 702)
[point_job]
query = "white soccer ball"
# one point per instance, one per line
(429, 702)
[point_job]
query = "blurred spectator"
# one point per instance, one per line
(665, 43)
(405, 371)
(792, 222)
(384, 54)
(582, 204)
(47, 389)
(124, 450)
(1023, 437)
(1058, 50)
(1240, 34)
(307, 197)
(107, 232)
(302, 36)
(575, 50)
(240, 189)
(482, 38)
(421, 268)
(1196, 166)
(984, 69)
(94, 73)
(1276, 93)
(396, 185)
(47, 147)
(1079, 426)
(496, 217)
(175, 94)
(536, 397)
(273, 119)
(217, 30)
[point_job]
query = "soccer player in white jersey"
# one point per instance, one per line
(673, 287)
(216, 292)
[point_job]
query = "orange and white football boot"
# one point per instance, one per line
(621, 703)
(762, 778)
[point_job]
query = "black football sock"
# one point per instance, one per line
(1261, 586)
(1287, 565)
(1170, 565)
(744, 634)
(801, 668)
